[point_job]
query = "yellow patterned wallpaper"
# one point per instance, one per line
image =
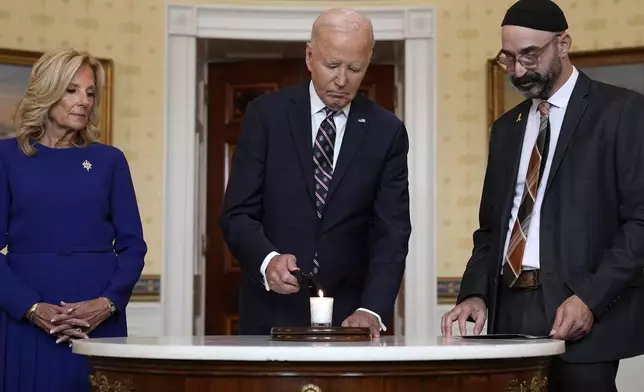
(131, 33)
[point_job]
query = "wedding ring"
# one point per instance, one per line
(78, 329)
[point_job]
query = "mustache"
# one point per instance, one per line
(529, 77)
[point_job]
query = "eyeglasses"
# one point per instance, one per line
(527, 60)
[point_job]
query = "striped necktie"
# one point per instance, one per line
(323, 160)
(514, 255)
(323, 148)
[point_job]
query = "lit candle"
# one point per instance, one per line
(321, 310)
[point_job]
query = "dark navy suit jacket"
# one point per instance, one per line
(362, 239)
(592, 218)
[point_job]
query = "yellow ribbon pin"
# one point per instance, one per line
(519, 117)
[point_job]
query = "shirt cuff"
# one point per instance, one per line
(262, 268)
(382, 326)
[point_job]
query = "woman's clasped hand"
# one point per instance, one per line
(69, 321)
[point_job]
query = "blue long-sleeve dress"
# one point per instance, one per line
(71, 224)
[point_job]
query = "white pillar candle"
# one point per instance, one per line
(321, 310)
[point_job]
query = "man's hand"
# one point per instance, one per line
(360, 319)
(573, 320)
(474, 307)
(278, 274)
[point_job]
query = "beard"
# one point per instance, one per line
(538, 85)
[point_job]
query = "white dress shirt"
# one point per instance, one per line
(340, 120)
(558, 103)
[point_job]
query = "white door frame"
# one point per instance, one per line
(184, 25)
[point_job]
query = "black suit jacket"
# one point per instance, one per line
(362, 239)
(592, 217)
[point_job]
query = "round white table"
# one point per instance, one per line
(256, 363)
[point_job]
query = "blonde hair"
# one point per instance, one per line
(50, 77)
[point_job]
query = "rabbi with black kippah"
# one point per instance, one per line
(560, 247)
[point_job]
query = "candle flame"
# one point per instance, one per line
(320, 293)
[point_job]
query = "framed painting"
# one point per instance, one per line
(15, 68)
(620, 67)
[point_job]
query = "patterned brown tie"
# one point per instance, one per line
(514, 255)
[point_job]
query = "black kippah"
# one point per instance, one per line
(542, 15)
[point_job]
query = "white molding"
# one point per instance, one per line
(415, 25)
(179, 187)
(420, 119)
(143, 319)
(419, 23)
(181, 20)
(291, 23)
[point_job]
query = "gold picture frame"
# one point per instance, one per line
(15, 68)
(622, 67)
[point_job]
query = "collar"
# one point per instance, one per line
(317, 104)
(560, 98)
